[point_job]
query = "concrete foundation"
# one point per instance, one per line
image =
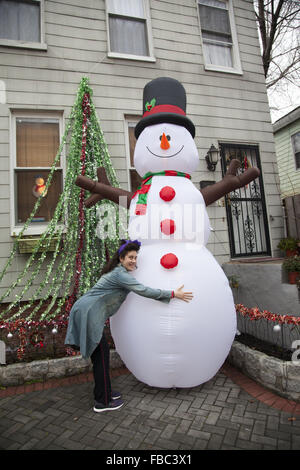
(264, 285)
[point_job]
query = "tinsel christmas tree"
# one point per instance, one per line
(79, 254)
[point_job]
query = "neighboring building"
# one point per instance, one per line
(210, 46)
(287, 145)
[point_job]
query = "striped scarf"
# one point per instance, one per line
(142, 191)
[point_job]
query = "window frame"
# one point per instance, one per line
(297, 168)
(39, 227)
(129, 119)
(30, 45)
(147, 17)
(237, 67)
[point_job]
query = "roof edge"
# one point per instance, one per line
(287, 119)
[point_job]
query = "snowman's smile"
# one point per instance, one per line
(164, 156)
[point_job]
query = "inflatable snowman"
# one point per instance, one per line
(177, 344)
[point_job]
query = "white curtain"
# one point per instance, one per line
(217, 54)
(214, 3)
(127, 27)
(128, 36)
(126, 7)
(216, 32)
(20, 21)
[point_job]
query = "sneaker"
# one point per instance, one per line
(113, 405)
(115, 395)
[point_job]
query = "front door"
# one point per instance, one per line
(246, 207)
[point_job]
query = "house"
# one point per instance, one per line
(287, 145)
(210, 46)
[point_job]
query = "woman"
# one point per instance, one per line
(89, 314)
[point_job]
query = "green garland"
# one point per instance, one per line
(64, 226)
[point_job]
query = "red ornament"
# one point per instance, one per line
(167, 193)
(167, 226)
(169, 261)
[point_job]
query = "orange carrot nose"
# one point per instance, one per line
(164, 144)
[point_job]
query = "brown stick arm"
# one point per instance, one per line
(230, 182)
(103, 190)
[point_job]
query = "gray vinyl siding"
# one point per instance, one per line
(224, 107)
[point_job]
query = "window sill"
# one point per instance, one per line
(36, 229)
(141, 58)
(41, 46)
(216, 68)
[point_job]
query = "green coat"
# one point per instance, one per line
(90, 312)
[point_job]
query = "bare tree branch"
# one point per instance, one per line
(276, 19)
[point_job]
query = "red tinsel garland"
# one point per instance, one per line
(12, 326)
(26, 328)
(23, 342)
(86, 113)
(255, 314)
(62, 322)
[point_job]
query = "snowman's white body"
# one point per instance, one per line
(178, 344)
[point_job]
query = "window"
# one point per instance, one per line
(21, 23)
(35, 139)
(296, 148)
(134, 178)
(129, 29)
(218, 36)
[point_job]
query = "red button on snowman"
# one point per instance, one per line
(176, 344)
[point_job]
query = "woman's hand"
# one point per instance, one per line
(186, 296)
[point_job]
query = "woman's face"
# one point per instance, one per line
(129, 260)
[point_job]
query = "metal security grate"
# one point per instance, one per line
(246, 207)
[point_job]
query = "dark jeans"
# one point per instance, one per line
(100, 360)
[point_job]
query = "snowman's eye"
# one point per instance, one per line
(168, 137)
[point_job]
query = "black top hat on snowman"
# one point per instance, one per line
(164, 100)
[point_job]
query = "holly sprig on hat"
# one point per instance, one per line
(149, 106)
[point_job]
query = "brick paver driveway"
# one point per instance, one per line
(216, 415)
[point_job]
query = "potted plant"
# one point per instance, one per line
(289, 245)
(292, 266)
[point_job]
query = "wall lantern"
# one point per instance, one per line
(212, 158)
